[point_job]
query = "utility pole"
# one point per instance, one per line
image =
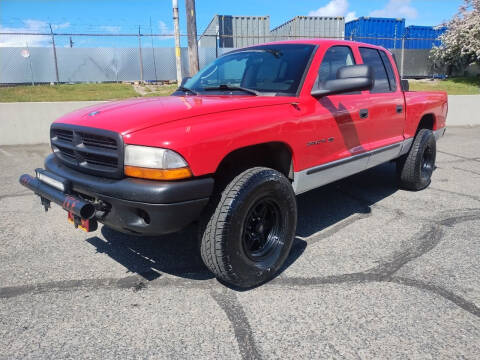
(54, 53)
(178, 54)
(192, 36)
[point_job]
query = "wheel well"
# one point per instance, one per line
(427, 122)
(275, 155)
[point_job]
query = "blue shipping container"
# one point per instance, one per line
(422, 37)
(386, 32)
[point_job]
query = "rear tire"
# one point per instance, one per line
(247, 235)
(415, 169)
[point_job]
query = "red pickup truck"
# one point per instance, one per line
(234, 145)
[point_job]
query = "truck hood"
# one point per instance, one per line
(131, 115)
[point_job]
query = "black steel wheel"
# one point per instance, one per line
(427, 163)
(262, 229)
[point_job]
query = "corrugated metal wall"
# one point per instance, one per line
(236, 31)
(376, 31)
(422, 37)
(310, 27)
(241, 31)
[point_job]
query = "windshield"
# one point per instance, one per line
(260, 70)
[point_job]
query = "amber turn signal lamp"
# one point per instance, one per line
(157, 174)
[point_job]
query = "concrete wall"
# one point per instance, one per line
(463, 110)
(29, 123)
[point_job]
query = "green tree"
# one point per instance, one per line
(461, 42)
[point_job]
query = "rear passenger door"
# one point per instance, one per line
(386, 101)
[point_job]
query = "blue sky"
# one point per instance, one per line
(124, 16)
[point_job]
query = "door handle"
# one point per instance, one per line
(399, 109)
(363, 113)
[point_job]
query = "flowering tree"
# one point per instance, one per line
(461, 42)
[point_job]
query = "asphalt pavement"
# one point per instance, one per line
(375, 272)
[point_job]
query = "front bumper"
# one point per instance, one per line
(136, 206)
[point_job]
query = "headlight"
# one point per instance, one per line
(155, 163)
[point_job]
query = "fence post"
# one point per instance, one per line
(140, 54)
(402, 57)
(54, 53)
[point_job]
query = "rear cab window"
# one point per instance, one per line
(390, 72)
(382, 68)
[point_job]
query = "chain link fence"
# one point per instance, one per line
(71, 58)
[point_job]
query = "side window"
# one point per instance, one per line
(335, 58)
(372, 57)
(390, 73)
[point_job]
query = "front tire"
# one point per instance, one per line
(247, 236)
(416, 168)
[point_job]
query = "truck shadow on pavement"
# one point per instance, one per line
(321, 212)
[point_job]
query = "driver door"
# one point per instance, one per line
(342, 119)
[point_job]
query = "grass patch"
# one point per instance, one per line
(115, 91)
(453, 86)
(76, 92)
(163, 90)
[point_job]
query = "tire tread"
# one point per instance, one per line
(215, 222)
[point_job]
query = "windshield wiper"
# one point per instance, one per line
(232, 87)
(185, 89)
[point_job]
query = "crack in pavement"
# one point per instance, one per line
(467, 170)
(472, 197)
(135, 282)
(372, 205)
(228, 302)
(325, 233)
(430, 237)
(364, 277)
(440, 291)
(458, 156)
(7, 196)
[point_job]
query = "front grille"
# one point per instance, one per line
(89, 150)
(98, 141)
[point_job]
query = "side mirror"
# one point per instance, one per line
(349, 78)
(184, 80)
(405, 85)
